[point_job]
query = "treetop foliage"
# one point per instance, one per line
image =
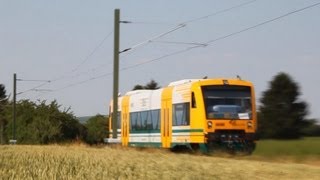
(282, 114)
(42, 123)
(3, 103)
(2, 92)
(150, 85)
(97, 129)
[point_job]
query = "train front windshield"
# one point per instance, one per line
(227, 102)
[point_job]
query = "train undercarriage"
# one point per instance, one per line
(229, 141)
(232, 141)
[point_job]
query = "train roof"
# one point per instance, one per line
(138, 92)
(177, 83)
(187, 81)
(184, 81)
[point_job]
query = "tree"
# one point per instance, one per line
(97, 129)
(137, 87)
(3, 104)
(2, 93)
(150, 85)
(312, 129)
(42, 123)
(282, 114)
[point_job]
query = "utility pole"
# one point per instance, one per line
(115, 72)
(14, 111)
(14, 114)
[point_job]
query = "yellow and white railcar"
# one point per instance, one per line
(196, 113)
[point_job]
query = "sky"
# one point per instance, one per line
(70, 43)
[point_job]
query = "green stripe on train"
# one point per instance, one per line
(158, 145)
(187, 130)
(158, 131)
(147, 144)
(144, 131)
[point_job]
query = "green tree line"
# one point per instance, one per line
(281, 115)
(43, 123)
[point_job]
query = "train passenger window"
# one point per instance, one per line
(139, 123)
(145, 120)
(181, 115)
(193, 100)
(144, 116)
(149, 120)
(133, 120)
(155, 116)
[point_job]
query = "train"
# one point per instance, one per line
(199, 114)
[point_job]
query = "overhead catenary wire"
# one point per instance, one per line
(73, 70)
(182, 43)
(210, 42)
(152, 39)
(33, 80)
(93, 51)
(43, 90)
(263, 23)
(125, 68)
(147, 23)
(219, 12)
(183, 24)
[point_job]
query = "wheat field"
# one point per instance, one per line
(81, 162)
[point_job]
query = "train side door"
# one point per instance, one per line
(125, 121)
(166, 117)
(164, 124)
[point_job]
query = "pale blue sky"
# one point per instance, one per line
(48, 39)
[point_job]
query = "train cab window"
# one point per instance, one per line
(181, 115)
(193, 100)
(227, 102)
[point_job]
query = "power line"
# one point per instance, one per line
(263, 23)
(183, 24)
(125, 68)
(197, 46)
(147, 23)
(179, 26)
(153, 38)
(92, 52)
(31, 89)
(72, 71)
(223, 37)
(43, 90)
(82, 82)
(183, 43)
(33, 80)
(219, 12)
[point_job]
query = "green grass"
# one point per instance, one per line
(306, 151)
(304, 147)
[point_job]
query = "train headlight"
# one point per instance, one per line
(209, 124)
(249, 124)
